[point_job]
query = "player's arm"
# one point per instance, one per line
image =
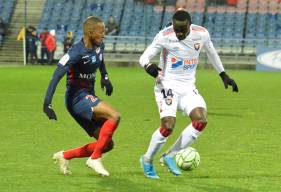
(64, 64)
(216, 62)
(152, 50)
(47, 106)
(105, 82)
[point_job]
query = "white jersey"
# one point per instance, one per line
(179, 59)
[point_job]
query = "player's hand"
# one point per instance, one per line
(228, 81)
(152, 69)
(48, 110)
(107, 84)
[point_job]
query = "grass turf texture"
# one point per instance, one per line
(239, 149)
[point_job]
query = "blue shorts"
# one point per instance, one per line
(79, 103)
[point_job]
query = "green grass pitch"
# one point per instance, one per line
(240, 148)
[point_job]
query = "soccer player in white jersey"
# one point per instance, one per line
(180, 45)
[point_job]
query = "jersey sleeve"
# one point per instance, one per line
(212, 54)
(63, 66)
(152, 50)
(71, 58)
(58, 74)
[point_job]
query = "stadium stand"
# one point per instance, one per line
(6, 10)
(263, 22)
(232, 26)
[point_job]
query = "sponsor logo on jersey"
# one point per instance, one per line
(197, 46)
(94, 59)
(85, 62)
(86, 57)
(87, 76)
(175, 62)
(188, 64)
(100, 57)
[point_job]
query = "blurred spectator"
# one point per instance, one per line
(44, 51)
(30, 43)
(149, 1)
(68, 41)
(51, 44)
(111, 27)
(2, 30)
(33, 43)
(232, 2)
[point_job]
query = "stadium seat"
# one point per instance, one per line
(260, 20)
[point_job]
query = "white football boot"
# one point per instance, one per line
(97, 166)
(62, 163)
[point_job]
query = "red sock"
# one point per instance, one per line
(105, 136)
(84, 151)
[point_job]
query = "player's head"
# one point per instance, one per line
(181, 23)
(94, 30)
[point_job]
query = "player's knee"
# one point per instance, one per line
(109, 146)
(168, 123)
(115, 116)
(199, 124)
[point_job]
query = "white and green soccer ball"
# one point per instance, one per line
(188, 159)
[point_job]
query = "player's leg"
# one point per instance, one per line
(88, 149)
(167, 104)
(92, 128)
(79, 106)
(62, 157)
(103, 111)
(112, 117)
(195, 107)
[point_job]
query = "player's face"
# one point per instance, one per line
(181, 28)
(97, 35)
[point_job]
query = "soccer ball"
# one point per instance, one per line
(188, 159)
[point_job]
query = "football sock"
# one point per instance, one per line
(187, 137)
(84, 151)
(156, 143)
(105, 136)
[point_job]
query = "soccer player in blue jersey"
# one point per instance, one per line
(96, 117)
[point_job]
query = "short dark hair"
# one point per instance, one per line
(182, 15)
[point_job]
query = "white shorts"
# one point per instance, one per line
(171, 99)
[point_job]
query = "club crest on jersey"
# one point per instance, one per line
(94, 59)
(169, 101)
(197, 46)
(98, 50)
